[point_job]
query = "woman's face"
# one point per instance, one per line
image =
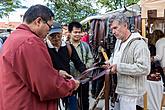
(55, 38)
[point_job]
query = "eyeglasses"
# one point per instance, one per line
(50, 27)
(45, 21)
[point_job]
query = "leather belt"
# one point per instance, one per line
(89, 75)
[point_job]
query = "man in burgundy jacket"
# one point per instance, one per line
(28, 80)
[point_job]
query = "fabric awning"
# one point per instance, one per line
(133, 10)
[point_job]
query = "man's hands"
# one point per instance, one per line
(106, 65)
(112, 67)
(77, 84)
(65, 75)
(152, 59)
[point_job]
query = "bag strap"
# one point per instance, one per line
(69, 48)
(1, 40)
(85, 45)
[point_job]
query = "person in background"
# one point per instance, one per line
(61, 54)
(83, 50)
(85, 36)
(151, 45)
(160, 48)
(28, 80)
(130, 61)
(65, 33)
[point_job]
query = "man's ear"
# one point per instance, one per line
(125, 25)
(38, 20)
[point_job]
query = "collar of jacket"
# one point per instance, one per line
(25, 27)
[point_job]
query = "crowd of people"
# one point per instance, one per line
(41, 59)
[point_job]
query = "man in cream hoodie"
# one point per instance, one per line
(130, 61)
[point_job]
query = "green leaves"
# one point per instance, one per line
(68, 10)
(116, 4)
(7, 6)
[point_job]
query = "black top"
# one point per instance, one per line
(61, 59)
(152, 49)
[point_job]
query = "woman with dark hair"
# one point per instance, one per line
(156, 35)
(160, 48)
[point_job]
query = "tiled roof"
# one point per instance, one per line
(11, 25)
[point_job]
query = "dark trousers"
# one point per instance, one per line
(97, 85)
(82, 103)
(72, 103)
(83, 94)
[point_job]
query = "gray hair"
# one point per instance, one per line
(120, 17)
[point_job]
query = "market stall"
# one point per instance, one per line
(153, 18)
(152, 14)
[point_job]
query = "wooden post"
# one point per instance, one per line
(144, 35)
(107, 84)
(145, 101)
(143, 27)
(106, 91)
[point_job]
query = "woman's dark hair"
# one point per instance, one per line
(157, 34)
(37, 11)
(74, 24)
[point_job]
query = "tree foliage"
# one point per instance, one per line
(116, 4)
(68, 10)
(7, 6)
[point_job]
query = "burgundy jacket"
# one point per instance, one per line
(28, 80)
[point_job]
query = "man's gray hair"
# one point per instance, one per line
(120, 17)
